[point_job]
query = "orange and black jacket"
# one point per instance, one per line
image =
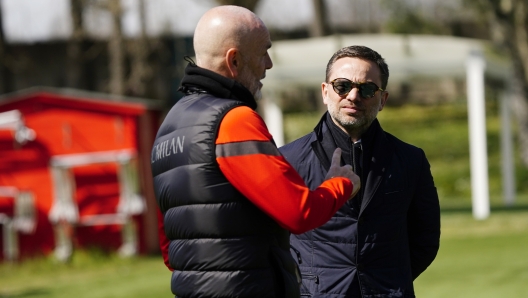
(228, 198)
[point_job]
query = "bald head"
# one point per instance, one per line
(232, 41)
(223, 28)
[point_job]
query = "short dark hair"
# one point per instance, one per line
(361, 52)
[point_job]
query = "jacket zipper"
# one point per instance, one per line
(299, 259)
(359, 211)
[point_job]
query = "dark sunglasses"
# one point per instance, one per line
(343, 86)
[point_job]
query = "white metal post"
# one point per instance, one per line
(477, 135)
(273, 117)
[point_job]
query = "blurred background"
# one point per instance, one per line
(84, 85)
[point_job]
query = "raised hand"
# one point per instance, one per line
(336, 170)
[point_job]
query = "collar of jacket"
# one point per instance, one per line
(327, 139)
(204, 80)
(376, 145)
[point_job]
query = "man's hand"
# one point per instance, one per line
(336, 170)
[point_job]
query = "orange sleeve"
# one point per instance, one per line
(254, 166)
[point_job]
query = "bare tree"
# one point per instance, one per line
(6, 76)
(508, 21)
(74, 52)
(319, 26)
(116, 50)
(249, 4)
(139, 50)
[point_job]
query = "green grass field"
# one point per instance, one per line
(484, 259)
(89, 275)
(477, 259)
(487, 258)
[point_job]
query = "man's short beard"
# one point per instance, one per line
(247, 81)
(354, 126)
(258, 95)
(350, 125)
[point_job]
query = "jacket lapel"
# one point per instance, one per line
(323, 146)
(382, 152)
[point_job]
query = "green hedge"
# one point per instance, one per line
(442, 132)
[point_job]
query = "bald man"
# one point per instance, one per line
(228, 198)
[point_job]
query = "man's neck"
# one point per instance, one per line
(354, 133)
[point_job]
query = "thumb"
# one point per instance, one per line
(336, 158)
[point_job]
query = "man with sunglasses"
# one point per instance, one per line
(378, 243)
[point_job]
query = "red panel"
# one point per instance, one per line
(68, 126)
(26, 168)
(80, 103)
(97, 189)
(107, 238)
(73, 131)
(99, 105)
(7, 206)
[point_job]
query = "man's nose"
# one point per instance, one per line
(269, 63)
(353, 94)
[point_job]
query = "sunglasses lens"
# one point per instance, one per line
(367, 90)
(342, 86)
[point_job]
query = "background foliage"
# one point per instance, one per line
(442, 132)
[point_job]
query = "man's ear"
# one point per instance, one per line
(232, 62)
(324, 92)
(384, 97)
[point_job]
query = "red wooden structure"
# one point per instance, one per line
(75, 172)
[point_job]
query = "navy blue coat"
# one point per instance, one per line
(378, 248)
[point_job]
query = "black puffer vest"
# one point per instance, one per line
(221, 244)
